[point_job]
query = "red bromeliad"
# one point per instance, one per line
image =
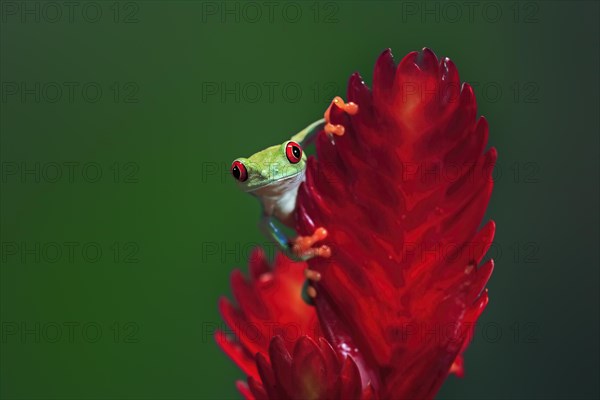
(401, 192)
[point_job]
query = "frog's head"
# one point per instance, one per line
(270, 166)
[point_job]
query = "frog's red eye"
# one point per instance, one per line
(239, 172)
(293, 152)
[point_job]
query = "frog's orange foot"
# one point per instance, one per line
(349, 108)
(312, 276)
(302, 246)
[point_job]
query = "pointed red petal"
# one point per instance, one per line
(282, 364)
(308, 370)
(237, 353)
(257, 389)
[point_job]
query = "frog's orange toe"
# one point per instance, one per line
(349, 108)
(337, 130)
(323, 251)
(302, 246)
(311, 291)
(312, 275)
(319, 234)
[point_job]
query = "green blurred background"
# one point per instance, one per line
(120, 224)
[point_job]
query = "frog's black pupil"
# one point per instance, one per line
(296, 151)
(236, 172)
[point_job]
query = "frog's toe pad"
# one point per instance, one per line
(312, 275)
(309, 293)
(337, 130)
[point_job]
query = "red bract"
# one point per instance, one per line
(269, 304)
(402, 194)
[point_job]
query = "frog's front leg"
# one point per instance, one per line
(272, 232)
(300, 248)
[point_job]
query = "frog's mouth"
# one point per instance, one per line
(278, 186)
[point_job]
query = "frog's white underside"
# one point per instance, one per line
(279, 198)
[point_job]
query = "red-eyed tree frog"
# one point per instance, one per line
(274, 175)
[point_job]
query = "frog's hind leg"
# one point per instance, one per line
(304, 247)
(273, 233)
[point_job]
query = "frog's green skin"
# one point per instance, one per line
(274, 180)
